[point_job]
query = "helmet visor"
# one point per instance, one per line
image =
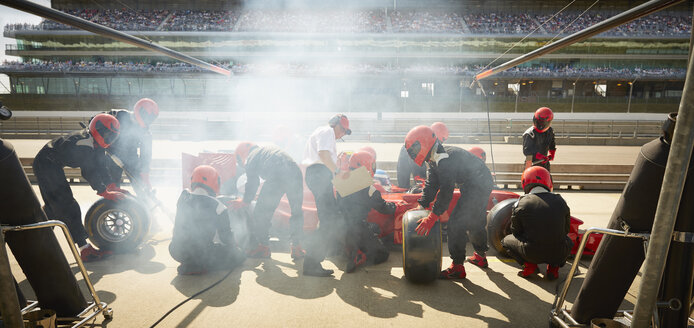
(542, 124)
(107, 134)
(147, 116)
(414, 150)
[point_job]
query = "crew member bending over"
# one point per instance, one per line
(84, 149)
(450, 167)
(540, 221)
(408, 168)
(282, 176)
(134, 146)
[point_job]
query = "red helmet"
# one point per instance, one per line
(362, 158)
(536, 176)
(543, 119)
(242, 151)
(105, 129)
(146, 111)
(207, 177)
(369, 150)
(343, 161)
(441, 131)
(419, 142)
(479, 152)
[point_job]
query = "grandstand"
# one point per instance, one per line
(376, 56)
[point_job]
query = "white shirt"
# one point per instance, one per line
(323, 138)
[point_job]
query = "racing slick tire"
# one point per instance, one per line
(421, 255)
(117, 226)
(499, 224)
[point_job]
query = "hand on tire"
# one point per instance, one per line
(426, 224)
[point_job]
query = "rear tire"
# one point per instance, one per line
(421, 255)
(117, 226)
(499, 224)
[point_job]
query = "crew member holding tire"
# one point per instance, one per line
(538, 140)
(199, 217)
(84, 149)
(282, 176)
(540, 222)
(134, 146)
(363, 245)
(321, 156)
(407, 167)
(450, 167)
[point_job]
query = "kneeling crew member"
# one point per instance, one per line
(282, 176)
(199, 217)
(450, 166)
(540, 221)
(84, 149)
(364, 246)
(538, 140)
(406, 167)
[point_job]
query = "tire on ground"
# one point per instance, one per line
(499, 224)
(421, 255)
(119, 227)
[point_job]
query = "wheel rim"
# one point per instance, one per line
(115, 225)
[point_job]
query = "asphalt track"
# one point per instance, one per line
(142, 286)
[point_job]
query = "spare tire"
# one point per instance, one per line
(421, 255)
(499, 224)
(117, 226)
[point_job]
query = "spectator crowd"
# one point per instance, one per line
(349, 69)
(669, 24)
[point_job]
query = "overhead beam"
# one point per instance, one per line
(625, 17)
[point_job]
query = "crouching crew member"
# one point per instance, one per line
(363, 245)
(321, 157)
(282, 176)
(450, 166)
(134, 146)
(540, 221)
(199, 217)
(406, 167)
(84, 149)
(538, 140)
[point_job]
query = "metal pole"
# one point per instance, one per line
(574, 97)
(631, 89)
(625, 17)
(9, 302)
(515, 110)
(668, 204)
(86, 25)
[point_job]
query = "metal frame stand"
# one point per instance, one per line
(562, 317)
(95, 307)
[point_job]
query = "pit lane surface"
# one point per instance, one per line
(142, 286)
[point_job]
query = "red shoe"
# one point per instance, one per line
(262, 251)
(552, 272)
(357, 259)
(478, 260)
(298, 252)
(455, 271)
(91, 254)
(529, 269)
